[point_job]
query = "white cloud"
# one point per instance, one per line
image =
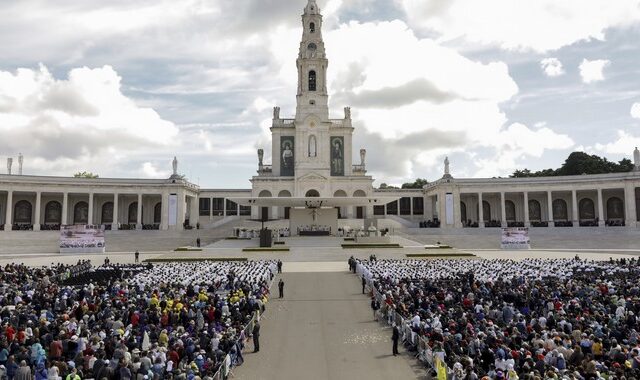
(541, 25)
(593, 71)
(552, 67)
(442, 102)
(83, 121)
(635, 110)
(624, 144)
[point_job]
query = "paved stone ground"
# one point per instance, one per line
(324, 329)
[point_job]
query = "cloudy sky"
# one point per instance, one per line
(119, 87)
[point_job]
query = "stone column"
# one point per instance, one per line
(480, 212)
(164, 219)
(630, 205)
(600, 209)
(139, 215)
(194, 213)
(224, 207)
(115, 224)
(457, 209)
(503, 212)
(574, 208)
(90, 216)
(527, 222)
(238, 209)
(182, 204)
(8, 219)
(550, 209)
(210, 209)
(36, 223)
(411, 205)
(65, 208)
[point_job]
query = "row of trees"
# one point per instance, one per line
(576, 164)
(580, 163)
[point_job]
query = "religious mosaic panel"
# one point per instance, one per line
(337, 156)
(286, 156)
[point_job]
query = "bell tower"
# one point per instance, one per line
(312, 97)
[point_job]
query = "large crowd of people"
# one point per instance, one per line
(166, 321)
(507, 319)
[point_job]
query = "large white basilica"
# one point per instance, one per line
(313, 164)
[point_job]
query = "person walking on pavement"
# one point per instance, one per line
(281, 288)
(137, 256)
(256, 337)
(364, 283)
(395, 337)
(279, 266)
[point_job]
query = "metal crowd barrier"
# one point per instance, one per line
(247, 331)
(424, 352)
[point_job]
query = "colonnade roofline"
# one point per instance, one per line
(585, 178)
(31, 180)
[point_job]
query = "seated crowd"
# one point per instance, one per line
(166, 321)
(506, 319)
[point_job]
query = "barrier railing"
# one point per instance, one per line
(228, 362)
(424, 351)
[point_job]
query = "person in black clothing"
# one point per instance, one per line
(375, 305)
(364, 283)
(256, 337)
(279, 266)
(281, 288)
(198, 242)
(395, 338)
(137, 255)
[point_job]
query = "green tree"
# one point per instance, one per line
(85, 175)
(578, 163)
(385, 186)
(417, 184)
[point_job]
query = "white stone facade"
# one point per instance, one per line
(316, 137)
(316, 168)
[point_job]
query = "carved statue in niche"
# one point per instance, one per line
(313, 146)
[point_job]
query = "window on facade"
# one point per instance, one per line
(392, 208)
(205, 204)
(312, 28)
(218, 206)
(232, 208)
(312, 80)
(405, 206)
(418, 206)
